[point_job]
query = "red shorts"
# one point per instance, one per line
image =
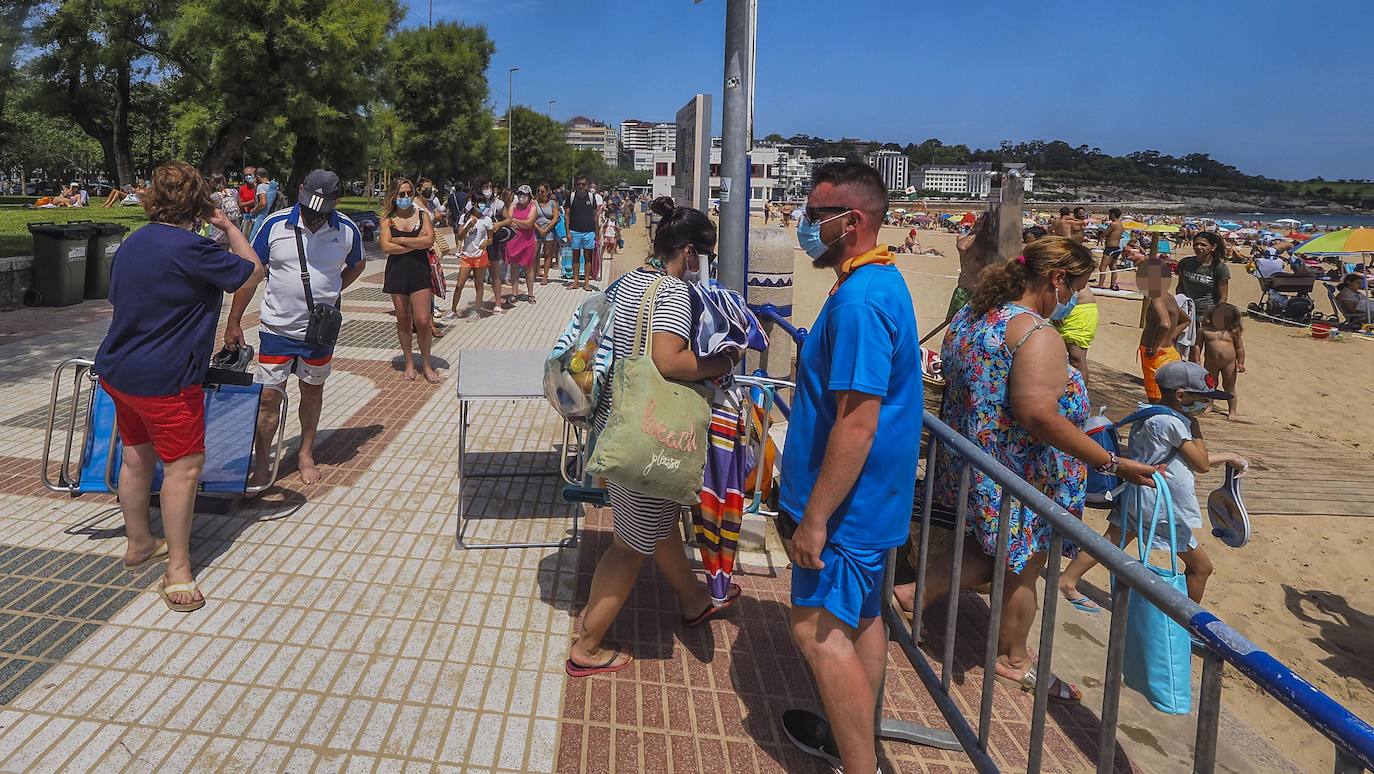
(173, 424)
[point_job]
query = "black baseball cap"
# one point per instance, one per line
(320, 191)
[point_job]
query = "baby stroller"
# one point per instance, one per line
(1286, 297)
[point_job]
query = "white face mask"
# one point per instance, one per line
(523, 199)
(486, 192)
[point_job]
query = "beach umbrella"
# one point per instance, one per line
(1249, 231)
(1347, 241)
(968, 218)
(1298, 236)
(922, 219)
(1287, 222)
(1163, 228)
(1133, 225)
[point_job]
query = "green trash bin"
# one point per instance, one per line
(100, 256)
(59, 262)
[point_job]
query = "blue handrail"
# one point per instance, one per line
(771, 312)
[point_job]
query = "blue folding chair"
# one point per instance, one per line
(231, 420)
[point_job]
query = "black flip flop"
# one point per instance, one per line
(575, 669)
(712, 610)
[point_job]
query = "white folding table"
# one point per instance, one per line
(499, 375)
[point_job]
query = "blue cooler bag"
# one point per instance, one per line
(565, 256)
(1158, 661)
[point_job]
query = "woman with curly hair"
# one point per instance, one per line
(1010, 389)
(167, 283)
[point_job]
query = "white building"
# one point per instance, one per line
(967, 180)
(795, 166)
(642, 160)
(583, 133)
(647, 135)
(763, 174)
(892, 166)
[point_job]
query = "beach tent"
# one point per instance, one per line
(1338, 244)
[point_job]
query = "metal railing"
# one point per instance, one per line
(1352, 738)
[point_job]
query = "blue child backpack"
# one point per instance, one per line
(1105, 488)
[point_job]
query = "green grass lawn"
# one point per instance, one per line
(15, 238)
(350, 203)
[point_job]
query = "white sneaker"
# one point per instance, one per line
(450, 315)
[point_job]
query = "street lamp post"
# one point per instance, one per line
(549, 113)
(510, 99)
(243, 153)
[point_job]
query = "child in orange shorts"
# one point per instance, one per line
(475, 234)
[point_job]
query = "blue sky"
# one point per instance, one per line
(1238, 79)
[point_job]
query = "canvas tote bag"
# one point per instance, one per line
(655, 438)
(1158, 660)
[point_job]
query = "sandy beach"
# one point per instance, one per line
(1300, 589)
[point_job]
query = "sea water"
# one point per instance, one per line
(1339, 219)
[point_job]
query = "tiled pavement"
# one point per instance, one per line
(345, 630)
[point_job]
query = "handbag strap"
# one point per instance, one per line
(644, 320)
(305, 270)
(1164, 501)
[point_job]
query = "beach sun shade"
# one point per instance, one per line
(1287, 222)
(968, 218)
(1134, 225)
(1347, 241)
(1163, 228)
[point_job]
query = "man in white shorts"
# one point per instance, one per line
(332, 248)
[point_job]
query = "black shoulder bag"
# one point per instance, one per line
(325, 319)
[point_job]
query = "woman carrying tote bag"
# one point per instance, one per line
(644, 525)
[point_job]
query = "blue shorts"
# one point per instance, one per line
(850, 585)
(583, 240)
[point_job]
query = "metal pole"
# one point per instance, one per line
(734, 144)
(1208, 715)
(549, 113)
(510, 98)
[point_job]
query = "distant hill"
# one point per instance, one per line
(1058, 165)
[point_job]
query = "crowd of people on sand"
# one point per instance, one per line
(1014, 362)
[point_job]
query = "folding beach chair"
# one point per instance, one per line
(92, 465)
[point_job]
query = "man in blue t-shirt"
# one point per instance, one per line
(850, 467)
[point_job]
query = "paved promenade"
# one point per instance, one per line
(346, 631)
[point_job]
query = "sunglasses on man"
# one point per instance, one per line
(817, 214)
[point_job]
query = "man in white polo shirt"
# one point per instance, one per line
(332, 248)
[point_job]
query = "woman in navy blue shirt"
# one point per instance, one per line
(166, 285)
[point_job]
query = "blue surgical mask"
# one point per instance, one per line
(1062, 308)
(1196, 407)
(404, 202)
(247, 178)
(809, 236)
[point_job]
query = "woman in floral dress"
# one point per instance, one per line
(1010, 390)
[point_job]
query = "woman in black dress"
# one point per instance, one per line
(406, 235)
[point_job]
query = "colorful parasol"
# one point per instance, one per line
(1347, 241)
(1163, 228)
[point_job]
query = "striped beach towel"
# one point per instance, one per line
(717, 521)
